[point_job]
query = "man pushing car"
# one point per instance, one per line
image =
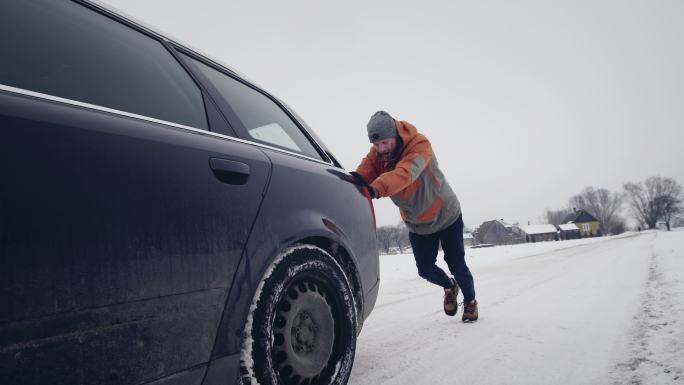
(401, 165)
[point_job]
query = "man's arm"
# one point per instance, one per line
(367, 167)
(406, 171)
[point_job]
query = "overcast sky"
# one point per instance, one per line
(525, 102)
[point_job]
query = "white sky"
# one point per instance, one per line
(525, 102)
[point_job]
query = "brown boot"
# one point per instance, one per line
(450, 304)
(469, 311)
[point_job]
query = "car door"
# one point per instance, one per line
(122, 216)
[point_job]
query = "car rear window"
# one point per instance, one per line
(263, 119)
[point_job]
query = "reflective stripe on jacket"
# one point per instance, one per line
(414, 182)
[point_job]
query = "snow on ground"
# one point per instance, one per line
(592, 311)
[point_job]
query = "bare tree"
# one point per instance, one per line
(670, 207)
(393, 236)
(654, 199)
(384, 235)
(400, 236)
(678, 221)
(618, 226)
(602, 204)
(555, 217)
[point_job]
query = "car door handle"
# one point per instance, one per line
(229, 171)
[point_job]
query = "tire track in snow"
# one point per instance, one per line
(657, 343)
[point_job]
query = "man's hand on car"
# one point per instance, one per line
(373, 192)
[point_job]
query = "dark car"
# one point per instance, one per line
(162, 219)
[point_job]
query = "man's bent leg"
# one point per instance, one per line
(454, 255)
(425, 248)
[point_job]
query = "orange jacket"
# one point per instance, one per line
(414, 183)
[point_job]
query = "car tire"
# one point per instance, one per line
(302, 326)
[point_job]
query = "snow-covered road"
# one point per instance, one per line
(593, 311)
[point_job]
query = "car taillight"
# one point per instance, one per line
(370, 202)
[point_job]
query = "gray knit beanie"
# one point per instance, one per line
(381, 126)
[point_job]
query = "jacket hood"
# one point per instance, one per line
(407, 132)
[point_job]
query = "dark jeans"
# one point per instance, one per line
(425, 248)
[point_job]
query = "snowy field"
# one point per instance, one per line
(591, 311)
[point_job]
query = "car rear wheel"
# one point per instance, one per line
(302, 326)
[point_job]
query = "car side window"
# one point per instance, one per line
(263, 119)
(65, 49)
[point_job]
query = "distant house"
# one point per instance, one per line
(569, 231)
(538, 233)
(498, 232)
(468, 239)
(588, 224)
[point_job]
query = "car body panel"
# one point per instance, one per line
(116, 229)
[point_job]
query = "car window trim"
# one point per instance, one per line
(226, 111)
(94, 107)
(102, 10)
(207, 93)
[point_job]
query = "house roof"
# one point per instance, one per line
(499, 222)
(568, 226)
(539, 229)
(579, 216)
(504, 223)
